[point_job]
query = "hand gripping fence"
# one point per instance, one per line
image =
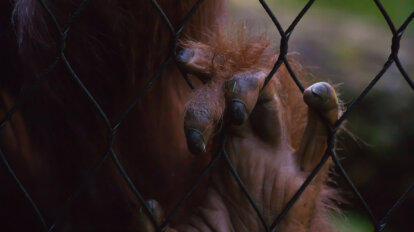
(379, 224)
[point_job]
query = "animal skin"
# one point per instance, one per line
(275, 135)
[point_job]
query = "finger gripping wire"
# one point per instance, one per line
(221, 153)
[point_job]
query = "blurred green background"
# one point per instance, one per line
(346, 42)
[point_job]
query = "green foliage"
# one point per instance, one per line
(354, 222)
(398, 10)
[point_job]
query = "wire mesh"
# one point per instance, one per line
(379, 224)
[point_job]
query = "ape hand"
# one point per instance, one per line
(274, 140)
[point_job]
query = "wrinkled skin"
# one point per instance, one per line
(57, 136)
(259, 144)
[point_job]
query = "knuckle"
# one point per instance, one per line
(185, 56)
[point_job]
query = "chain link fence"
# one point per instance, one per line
(378, 223)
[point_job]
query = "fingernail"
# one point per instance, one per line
(237, 112)
(195, 141)
(151, 205)
(321, 91)
(156, 210)
(185, 55)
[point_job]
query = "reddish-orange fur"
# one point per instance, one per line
(57, 136)
(227, 55)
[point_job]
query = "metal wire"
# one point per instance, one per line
(379, 225)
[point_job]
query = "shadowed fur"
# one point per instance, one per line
(57, 136)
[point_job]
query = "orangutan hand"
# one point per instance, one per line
(274, 140)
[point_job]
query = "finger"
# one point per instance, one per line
(242, 92)
(322, 97)
(195, 61)
(202, 114)
(144, 223)
(323, 111)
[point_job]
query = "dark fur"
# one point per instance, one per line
(57, 136)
